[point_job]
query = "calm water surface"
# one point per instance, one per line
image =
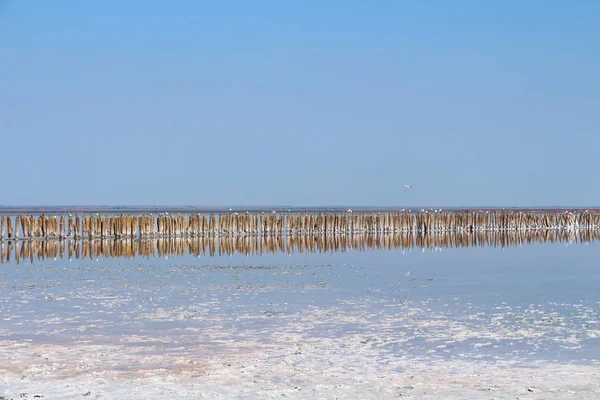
(536, 302)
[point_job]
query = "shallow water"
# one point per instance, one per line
(344, 324)
(536, 302)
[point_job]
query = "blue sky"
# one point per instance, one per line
(300, 102)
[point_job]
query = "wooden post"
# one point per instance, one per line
(9, 227)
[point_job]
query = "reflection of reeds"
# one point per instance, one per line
(271, 244)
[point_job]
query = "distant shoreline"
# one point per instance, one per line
(18, 210)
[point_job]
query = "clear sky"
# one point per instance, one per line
(300, 102)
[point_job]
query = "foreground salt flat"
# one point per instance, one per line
(157, 331)
(293, 363)
(326, 369)
(296, 362)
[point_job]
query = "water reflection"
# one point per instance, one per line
(31, 250)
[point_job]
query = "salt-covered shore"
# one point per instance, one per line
(325, 368)
(307, 357)
(168, 330)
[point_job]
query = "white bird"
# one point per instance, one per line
(408, 186)
(349, 210)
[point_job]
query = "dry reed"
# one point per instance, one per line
(286, 224)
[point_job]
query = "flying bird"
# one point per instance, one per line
(408, 186)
